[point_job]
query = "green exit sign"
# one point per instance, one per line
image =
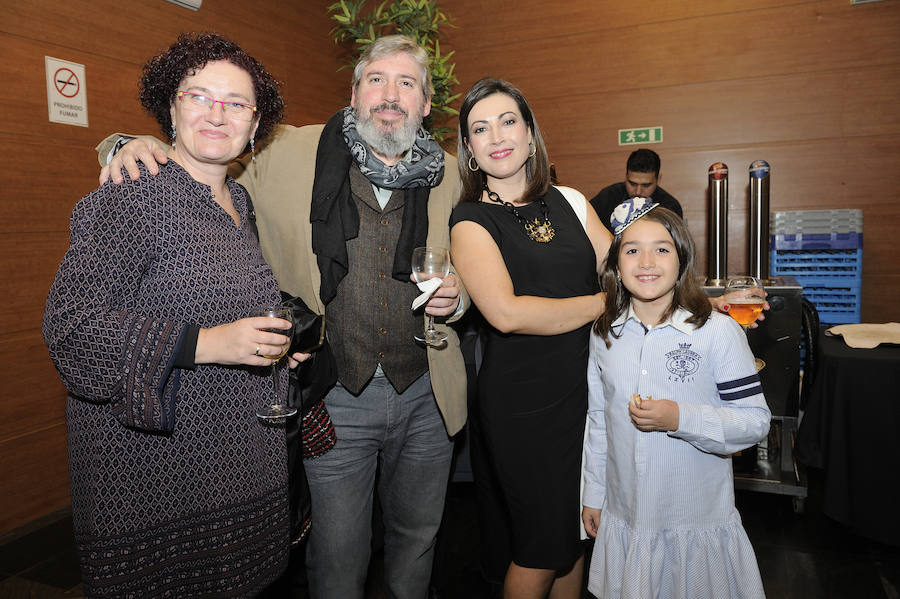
(647, 135)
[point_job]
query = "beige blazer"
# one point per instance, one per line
(280, 182)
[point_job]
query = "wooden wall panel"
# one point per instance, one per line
(812, 87)
(732, 113)
(33, 456)
(593, 55)
(35, 475)
(41, 197)
(29, 263)
(528, 20)
(290, 38)
(111, 94)
(34, 397)
(48, 166)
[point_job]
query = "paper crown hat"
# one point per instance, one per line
(629, 211)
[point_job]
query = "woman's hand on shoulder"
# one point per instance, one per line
(143, 149)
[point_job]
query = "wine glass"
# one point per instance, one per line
(745, 309)
(429, 262)
(278, 408)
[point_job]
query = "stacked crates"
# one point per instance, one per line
(822, 249)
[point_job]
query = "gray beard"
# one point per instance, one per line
(392, 143)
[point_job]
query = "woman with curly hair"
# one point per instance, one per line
(177, 489)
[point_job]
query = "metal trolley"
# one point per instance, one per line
(771, 467)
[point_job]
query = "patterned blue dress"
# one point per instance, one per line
(177, 489)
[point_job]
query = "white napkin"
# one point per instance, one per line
(427, 287)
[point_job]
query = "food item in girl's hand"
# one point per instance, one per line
(637, 400)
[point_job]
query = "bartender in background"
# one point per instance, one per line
(641, 180)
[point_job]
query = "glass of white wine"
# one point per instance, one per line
(278, 408)
(429, 262)
(745, 309)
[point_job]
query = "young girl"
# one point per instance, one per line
(673, 391)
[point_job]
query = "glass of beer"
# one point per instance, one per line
(746, 308)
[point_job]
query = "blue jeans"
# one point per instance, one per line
(404, 435)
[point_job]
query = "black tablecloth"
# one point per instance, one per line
(851, 429)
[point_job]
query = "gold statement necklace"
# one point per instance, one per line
(542, 232)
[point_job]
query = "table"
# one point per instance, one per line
(851, 429)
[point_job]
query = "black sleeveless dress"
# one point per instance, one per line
(532, 389)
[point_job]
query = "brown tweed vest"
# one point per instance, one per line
(370, 321)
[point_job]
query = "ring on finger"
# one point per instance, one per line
(256, 353)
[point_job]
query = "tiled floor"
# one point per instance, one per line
(804, 556)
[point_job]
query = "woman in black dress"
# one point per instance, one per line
(529, 253)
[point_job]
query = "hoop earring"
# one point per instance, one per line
(473, 168)
(533, 149)
(252, 150)
(174, 134)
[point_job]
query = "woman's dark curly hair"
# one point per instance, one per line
(164, 73)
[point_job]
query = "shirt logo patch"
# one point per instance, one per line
(682, 363)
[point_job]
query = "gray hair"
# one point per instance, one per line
(390, 45)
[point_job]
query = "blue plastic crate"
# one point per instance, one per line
(829, 317)
(818, 267)
(817, 221)
(817, 241)
(834, 280)
(837, 302)
(836, 306)
(838, 213)
(840, 294)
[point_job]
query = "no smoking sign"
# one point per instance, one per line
(66, 97)
(66, 82)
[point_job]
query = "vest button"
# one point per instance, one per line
(381, 276)
(382, 249)
(381, 354)
(382, 331)
(384, 303)
(384, 222)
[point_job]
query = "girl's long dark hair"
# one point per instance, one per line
(537, 168)
(688, 293)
